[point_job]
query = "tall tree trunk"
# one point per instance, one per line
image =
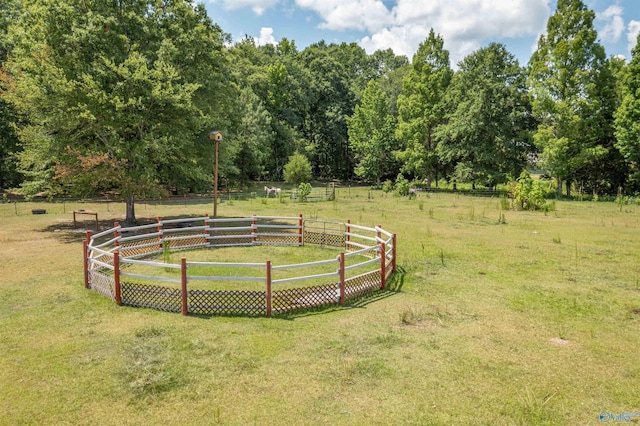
(130, 219)
(568, 184)
(559, 186)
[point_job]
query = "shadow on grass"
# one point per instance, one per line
(69, 233)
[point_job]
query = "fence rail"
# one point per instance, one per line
(108, 254)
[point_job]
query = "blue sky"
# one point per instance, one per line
(401, 25)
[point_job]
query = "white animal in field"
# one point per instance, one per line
(273, 190)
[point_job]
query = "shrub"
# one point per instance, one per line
(528, 194)
(297, 170)
(402, 185)
(387, 186)
(304, 189)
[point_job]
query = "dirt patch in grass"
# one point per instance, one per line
(560, 341)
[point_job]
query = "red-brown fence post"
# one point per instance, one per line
(379, 233)
(348, 230)
(206, 229)
(160, 232)
(254, 228)
(85, 256)
(342, 295)
(300, 229)
(383, 266)
(268, 290)
(183, 286)
(116, 276)
(393, 254)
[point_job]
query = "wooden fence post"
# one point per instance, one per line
(342, 295)
(383, 266)
(160, 232)
(268, 290)
(85, 245)
(300, 230)
(183, 286)
(393, 254)
(116, 276)
(206, 229)
(254, 227)
(379, 233)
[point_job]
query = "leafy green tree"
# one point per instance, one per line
(488, 131)
(119, 95)
(627, 117)
(371, 135)
(391, 85)
(330, 102)
(279, 78)
(421, 107)
(568, 78)
(297, 170)
(9, 143)
(254, 135)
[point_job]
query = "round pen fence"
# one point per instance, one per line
(133, 266)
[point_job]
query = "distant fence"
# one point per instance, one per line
(367, 261)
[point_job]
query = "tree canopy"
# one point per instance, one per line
(572, 94)
(421, 107)
(627, 119)
(116, 95)
(117, 98)
(487, 134)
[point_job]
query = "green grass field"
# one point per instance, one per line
(501, 317)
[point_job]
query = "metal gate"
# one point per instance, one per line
(323, 234)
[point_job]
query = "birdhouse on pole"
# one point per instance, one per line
(216, 135)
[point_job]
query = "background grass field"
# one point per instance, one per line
(502, 317)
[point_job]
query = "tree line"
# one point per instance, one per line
(119, 96)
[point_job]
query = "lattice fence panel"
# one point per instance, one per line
(102, 283)
(371, 253)
(242, 237)
(362, 284)
(281, 238)
(194, 240)
(102, 258)
(133, 248)
(218, 302)
(324, 239)
(151, 296)
(306, 297)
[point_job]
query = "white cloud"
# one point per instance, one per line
(266, 37)
(339, 15)
(464, 24)
(614, 26)
(258, 6)
(632, 34)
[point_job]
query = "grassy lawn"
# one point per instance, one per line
(532, 321)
